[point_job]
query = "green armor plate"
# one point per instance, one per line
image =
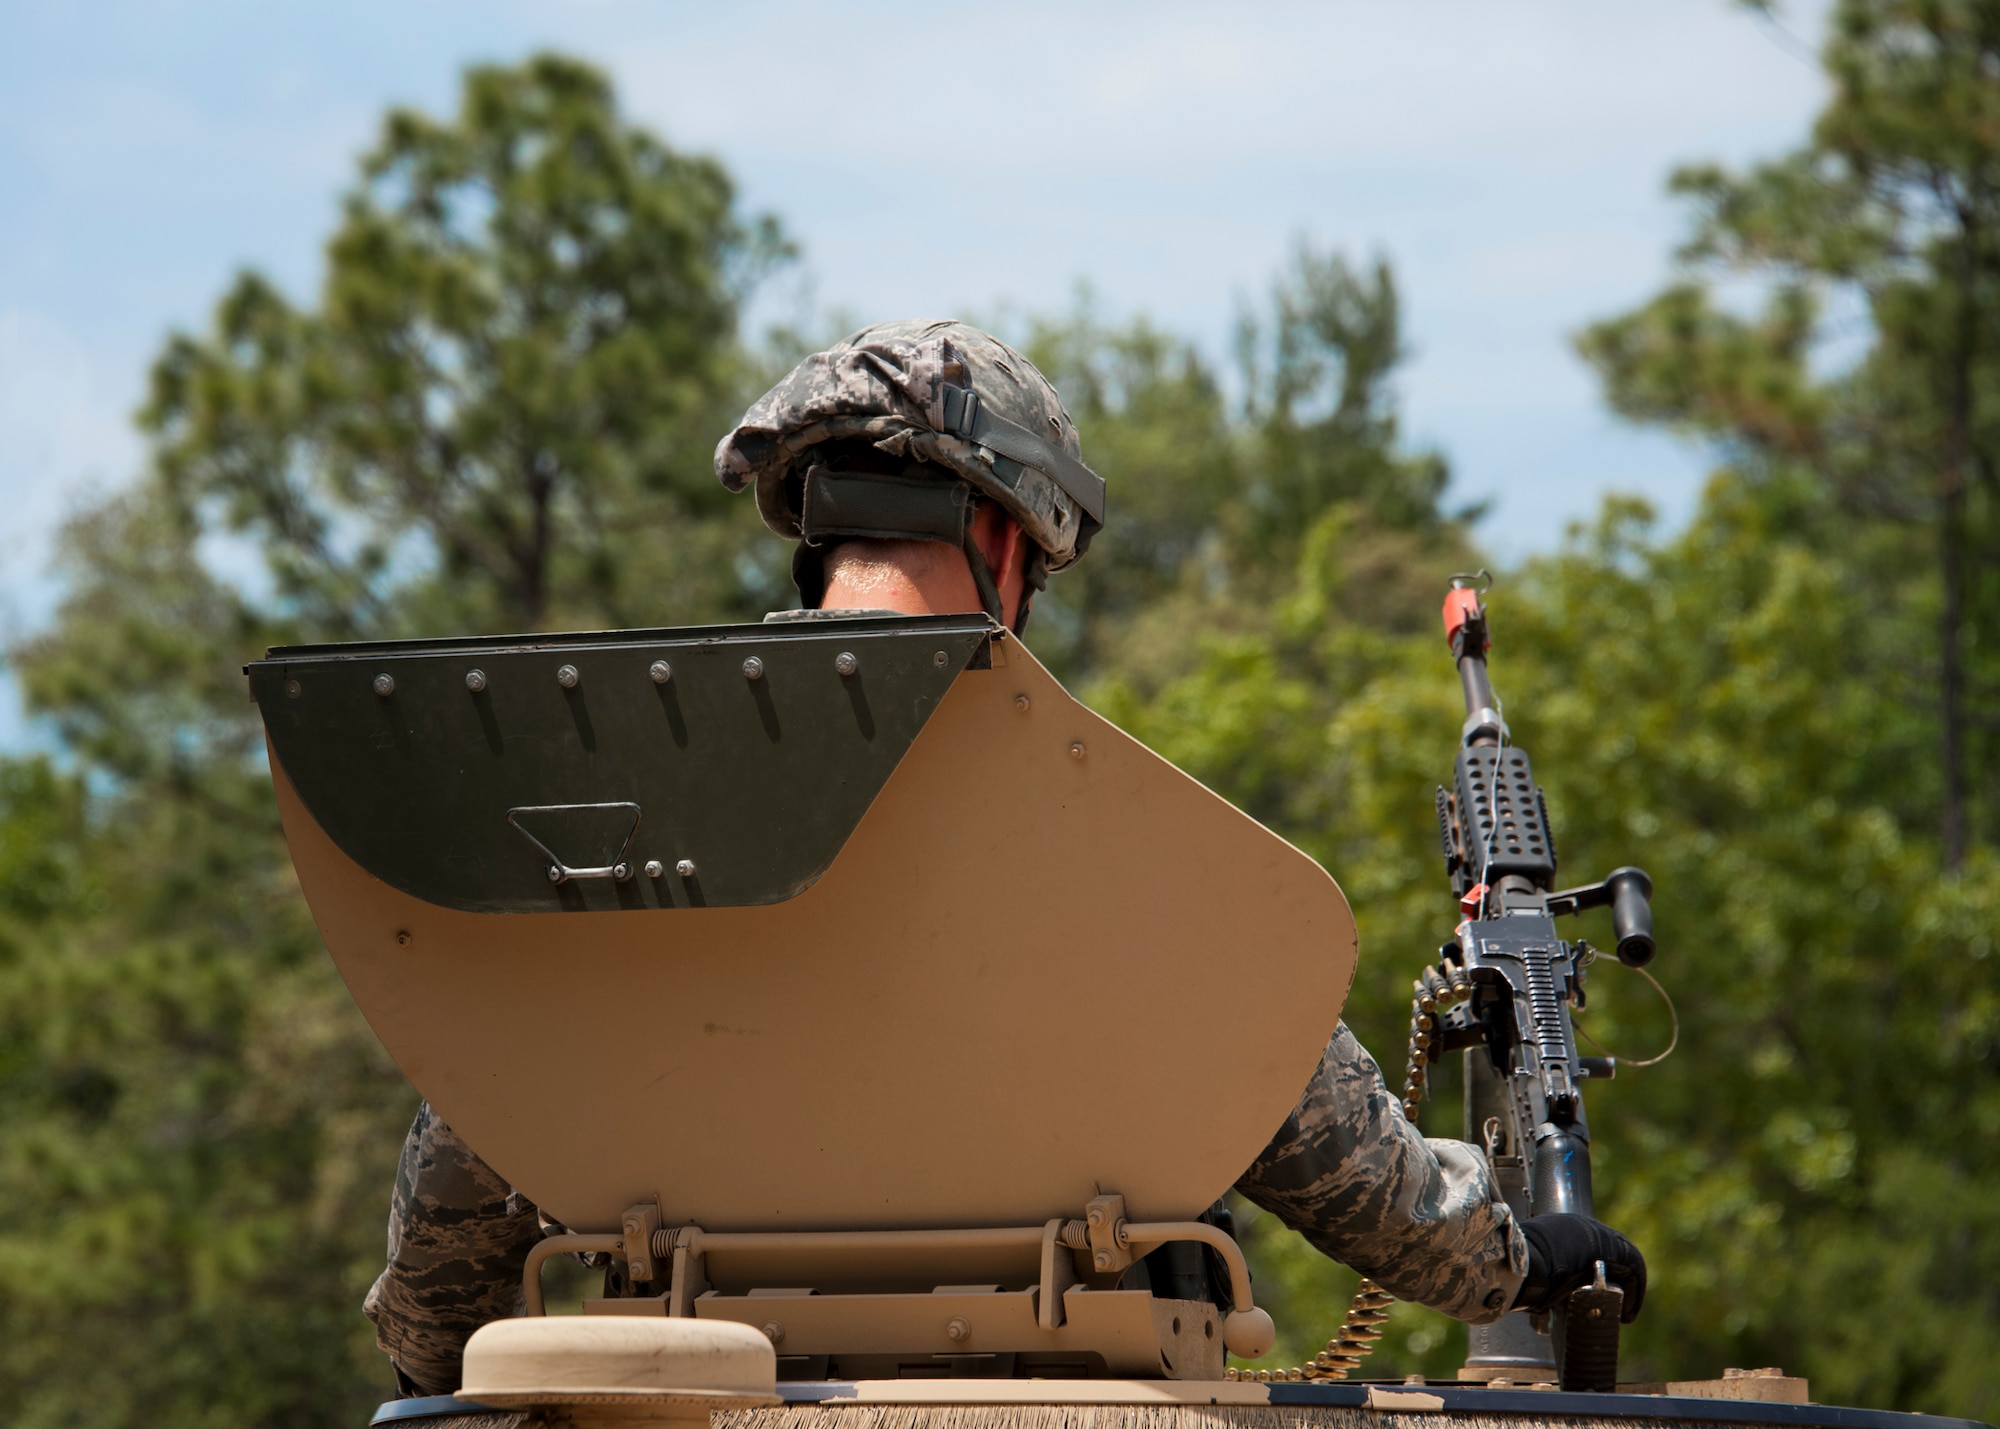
(728, 783)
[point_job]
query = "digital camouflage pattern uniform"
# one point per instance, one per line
(1346, 1170)
(1422, 1218)
(459, 1238)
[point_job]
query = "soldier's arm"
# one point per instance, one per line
(459, 1238)
(1421, 1218)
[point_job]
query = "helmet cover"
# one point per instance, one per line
(903, 387)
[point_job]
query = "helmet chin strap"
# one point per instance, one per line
(1035, 577)
(982, 576)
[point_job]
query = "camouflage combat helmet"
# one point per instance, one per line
(943, 414)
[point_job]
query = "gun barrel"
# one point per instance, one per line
(1465, 632)
(1478, 690)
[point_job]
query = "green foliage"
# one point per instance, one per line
(1820, 767)
(523, 349)
(1324, 408)
(1806, 1173)
(497, 416)
(1777, 713)
(1159, 430)
(1892, 210)
(1217, 502)
(1835, 988)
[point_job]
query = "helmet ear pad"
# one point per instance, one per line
(846, 457)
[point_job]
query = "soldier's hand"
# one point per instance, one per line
(1563, 1251)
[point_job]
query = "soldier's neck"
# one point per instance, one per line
(911, 577)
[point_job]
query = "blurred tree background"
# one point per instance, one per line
(498, 416)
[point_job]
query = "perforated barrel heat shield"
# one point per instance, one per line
(923, 942)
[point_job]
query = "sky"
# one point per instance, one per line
(1509, 158)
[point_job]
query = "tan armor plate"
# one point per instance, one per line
(1046, 962)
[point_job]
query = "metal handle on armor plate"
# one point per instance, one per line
(620, 867)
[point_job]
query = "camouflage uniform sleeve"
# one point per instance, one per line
(1421, 1218)
(459, 1239)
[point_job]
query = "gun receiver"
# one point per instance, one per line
(1518, 980)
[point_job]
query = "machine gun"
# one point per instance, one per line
(1501, 991)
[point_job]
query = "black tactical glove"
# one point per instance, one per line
(1563, 1251)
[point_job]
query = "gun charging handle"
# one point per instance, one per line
(1632, 915)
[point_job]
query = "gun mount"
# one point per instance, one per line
(832, 980)
(830, 976)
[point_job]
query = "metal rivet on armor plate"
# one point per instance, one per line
(1103, 1260)
(957, 1329)
(774, 1332)
(475, 680)
(403, 939)
(753, 669)
(567, 677)
(1021, 703)
(1077, 751)
(661, 672)
(685, 868)
(655, 869)
(939, 659)
(292, 688)
(385, 685)
(845, 664)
